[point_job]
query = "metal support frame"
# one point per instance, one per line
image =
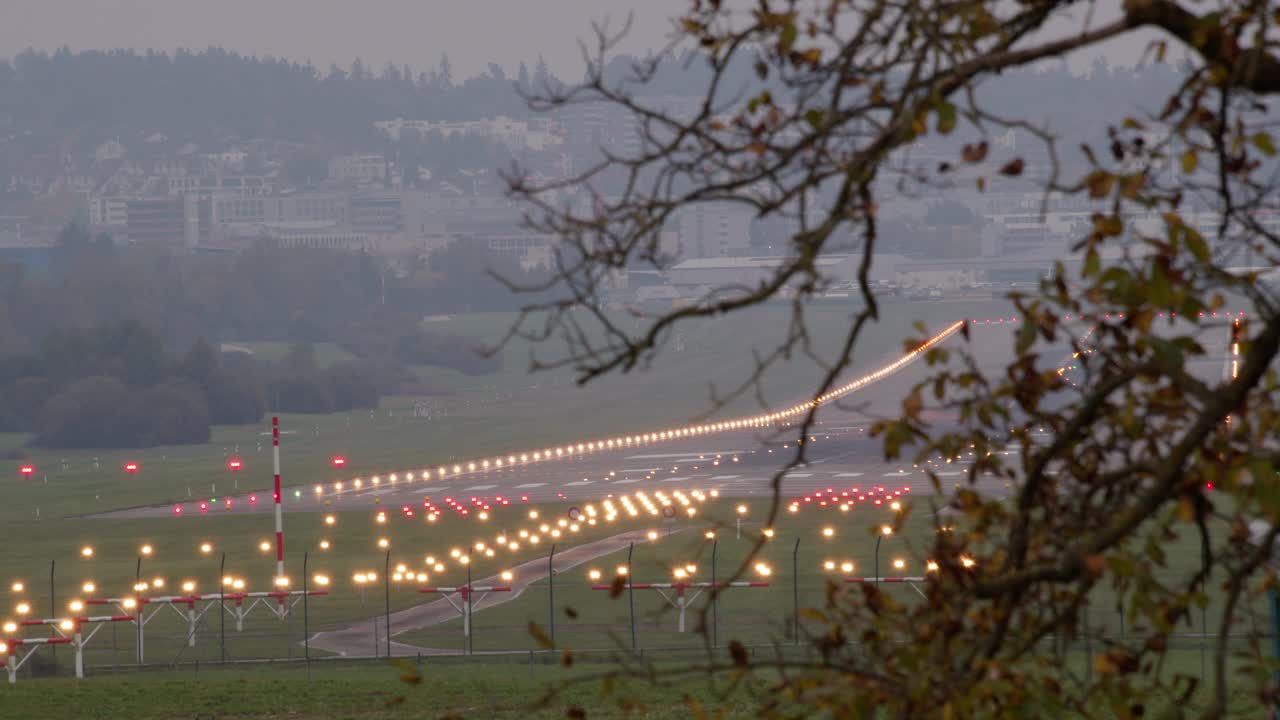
(879, 580)
(75, 637)
(197, 605)
(466, 593)
(678, 599)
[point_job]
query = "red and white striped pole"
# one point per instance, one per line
(275, 464)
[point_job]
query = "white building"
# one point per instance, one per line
(537, 134)
(358, 169)
(709, 230)
(108, 212)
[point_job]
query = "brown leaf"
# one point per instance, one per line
(1099, 183)
(1013, 168)
(738, 653)
(540, 636)
(1096, 564)
(566, 658)
(974, 153)
(619, 584)
(575, 713)
(571, 612)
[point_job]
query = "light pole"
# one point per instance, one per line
(795, 591)
(551, 592)
(885, 531)
(386, 598)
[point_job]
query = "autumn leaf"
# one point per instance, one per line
(974, 153)
(1013, 168)
(1189, 161)
(619, 584)
(1264, 143)
(1096, 564)
(946, 117)
(540, 636)
(1099, 183)
(738, 653)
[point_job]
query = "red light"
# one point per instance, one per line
(204, 507)
(253, 499)
(228, 503)
(1209, 485)
(131, 467)
(177, 509)
(275, 496)
(27, 469)
(233, 464)
(339, 461)
(524, 498)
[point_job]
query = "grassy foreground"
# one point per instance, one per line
(372, 691)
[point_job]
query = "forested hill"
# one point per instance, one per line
(200, 96)
(203, 96)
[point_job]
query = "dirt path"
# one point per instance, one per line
(357, 639)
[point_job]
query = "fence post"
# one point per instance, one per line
(222, 609)
(141, 608)
(551, 593)
(795, 592)
(470, 619)
(386, 598)
(53, 609)
(715, 598)
(631, 595)
(306, 620)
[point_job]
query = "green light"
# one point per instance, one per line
(297, 493)
(213, 499)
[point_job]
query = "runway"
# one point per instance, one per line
(840, 456)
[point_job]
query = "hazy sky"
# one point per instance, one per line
(413, 32)
(416, 32)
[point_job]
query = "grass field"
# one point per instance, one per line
(498, 413)
(367, 691)
(446, 687)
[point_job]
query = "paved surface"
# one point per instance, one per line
(738, 464)
(368, 637)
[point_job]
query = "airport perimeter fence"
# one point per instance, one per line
(599, 621)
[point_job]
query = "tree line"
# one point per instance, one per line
(116, 346)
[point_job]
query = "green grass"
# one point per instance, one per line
(506, 411)
(496, 413)
(369, 691)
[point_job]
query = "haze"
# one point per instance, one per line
(413, 32)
